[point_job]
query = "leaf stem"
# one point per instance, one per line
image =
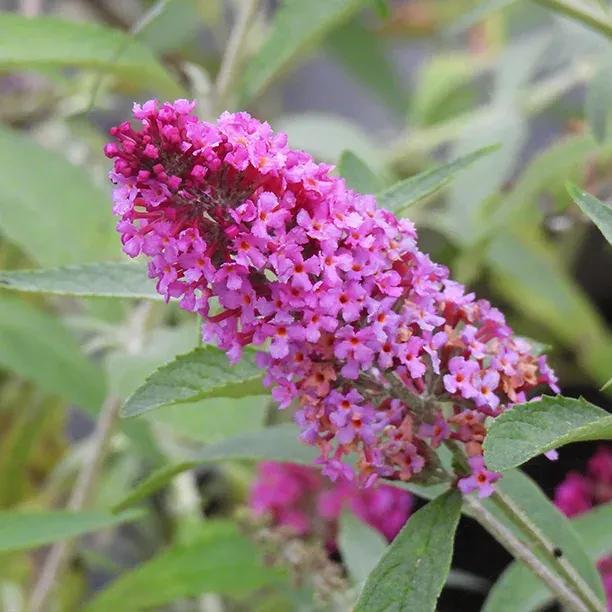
(232, 57)
(522, 552)
(581, 14)
(81, 493)
(559, 561)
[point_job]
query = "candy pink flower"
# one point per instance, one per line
(480, 479)
(270, 248)
(298, 497)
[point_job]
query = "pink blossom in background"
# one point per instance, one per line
(299, 498)
(333, 285)
(580, 492)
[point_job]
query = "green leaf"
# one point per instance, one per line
(25, 530)
(363, 54)
(523, 264)
(215, 419)
(49, 207)
(528, 496)
(276, 443)
(599, 213)
(204, 372)
(409, 191)
(596, 107)
(217, 560)
(518, 588)
(361, 546)
(327, 136)
(533, 428)
(296, 27)
(357, 174)
(57, 42)
(35, 345)
(411, 574)
(107, 279)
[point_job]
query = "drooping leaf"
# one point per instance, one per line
(108, 279)
(49, 207)
(361, 546)
(58, 42)
(35, 345)
(26, 530)
(296, 27)
(533, 428)
(409, 191)
(275, 443)
(217, 560)
(599, 213)
(519, 588)
(531, 500)
(412, 572)
(204, 372)
(357, 174)
(363, 54)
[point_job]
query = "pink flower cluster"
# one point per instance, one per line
(299, 498)
(384, 354)
(581, 492)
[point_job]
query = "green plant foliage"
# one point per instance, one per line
(296, 27)
(411, 574)
(357, 174)
(531, 429)
(597, 211)
(404, 194)
(44, 199)
(531, 500)
(517, 587)
(55, 42)
(204, 372)
(217, 559)
(360, 545)
(35, 345)
(364, 56)
(25, 530)
(110, 279)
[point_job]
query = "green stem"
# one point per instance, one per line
(581, 14)
(232, 58)
(558, 561)
(522, 552)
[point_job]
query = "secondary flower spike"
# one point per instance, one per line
(384, 355)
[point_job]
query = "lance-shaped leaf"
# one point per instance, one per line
(536, 427)
(106, 279)
(357, 173)
(296, 27)
(276, 443)
(412, 572)
(409, 191)
(58, 42)
(25, 530)
(361, 546)
(35, 345)
(599, 213)
(217, 559)
(519, 589)
(204, 372)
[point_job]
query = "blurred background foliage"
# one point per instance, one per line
(385, 89)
